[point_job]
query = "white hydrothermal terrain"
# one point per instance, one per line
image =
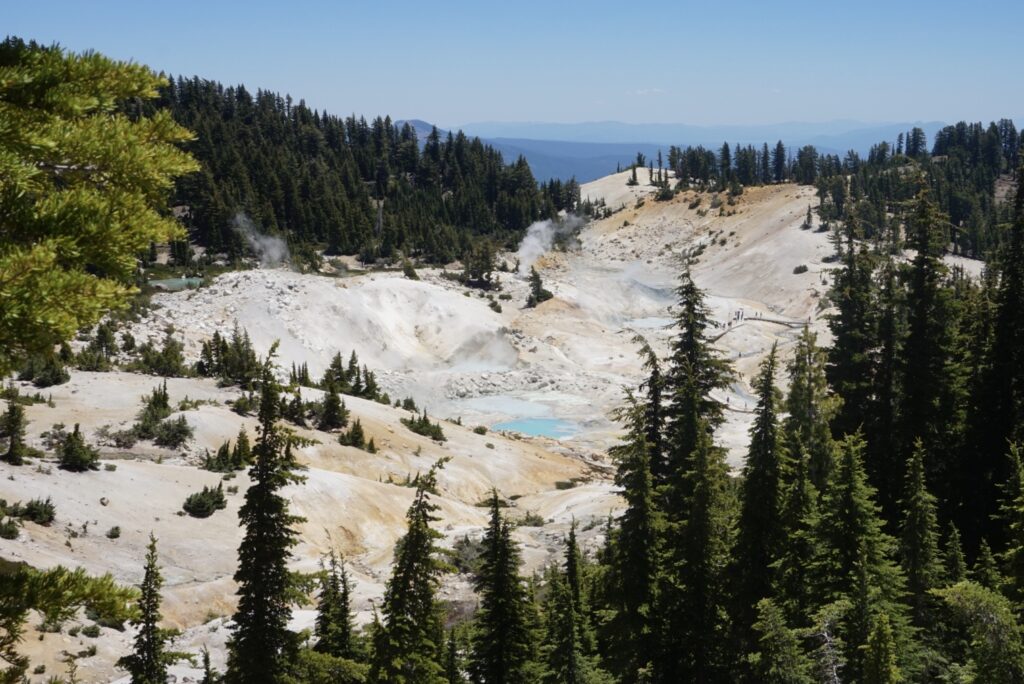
(567, 359)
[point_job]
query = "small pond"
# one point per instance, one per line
(555, 428)
(175, 284)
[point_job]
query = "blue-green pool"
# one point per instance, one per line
(175, 284)
(555, 428)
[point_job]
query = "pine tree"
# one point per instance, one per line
(850, 369)
(694, 371)
(70, 178)
(919, 545)
(12, 428)
(502, 643)
(1012, 515)
(999, 396)
(75, 455)
(884, 471)
(537, 292)
(334, 622)
(792, 574)
(759, 537)
(210, 676)
(568, 657)
(779, 162)
(149, 659)
(653, 411)
(241, 455)
(565, 654)
(955, 564)
(880, 664)
(452, 664)
(985, 570)
(692, 600)
(406, 647)
(635, 552)
(780, 659)
(810, 408)
(261, 647)
(930, 380)
(855, 557)
(334, 415)
(997, 652)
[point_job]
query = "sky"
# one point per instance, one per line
(455, 62)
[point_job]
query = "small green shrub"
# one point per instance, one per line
(480, 430)
(802, 268)
(531, 519)
(173, 433)
(421, 425)
(91, 631)
(39, 511)
(9, 529)
(203, 504)
(114, 532)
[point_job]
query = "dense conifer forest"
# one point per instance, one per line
(347, 185)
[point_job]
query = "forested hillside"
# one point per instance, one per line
(962, 170)
(349, 185)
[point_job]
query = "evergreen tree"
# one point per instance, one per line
(452, 661)
(241, 455)
(779, 162)
(537, 292)
(799, 528)
(565, 654)
(1012, 515)
(68, 181)
(501, 641)
(985, 570)
(780, 659)
(568, 661)
(75, 455)
(334, 416)
(919, 545)
(694, 371)
(210, 676)
(999, 396)
(810, 408)
(653, 412)
(635, 559)
(855, 557)
(880, 665)
(692, 606)
(884, 470)
(406, 646)
(334, 622)
(927, 409)
(997, 653)
(149, 659)
(955, 564)
(850, 368)
(759, 532)
(261, 647)
(12, 428)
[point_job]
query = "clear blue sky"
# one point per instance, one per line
(453, 62)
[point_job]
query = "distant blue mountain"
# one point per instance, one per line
(593, 149)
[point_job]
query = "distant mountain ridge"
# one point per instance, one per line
(590, 150)
(795, 132)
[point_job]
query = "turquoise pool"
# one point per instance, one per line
(555, 428)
